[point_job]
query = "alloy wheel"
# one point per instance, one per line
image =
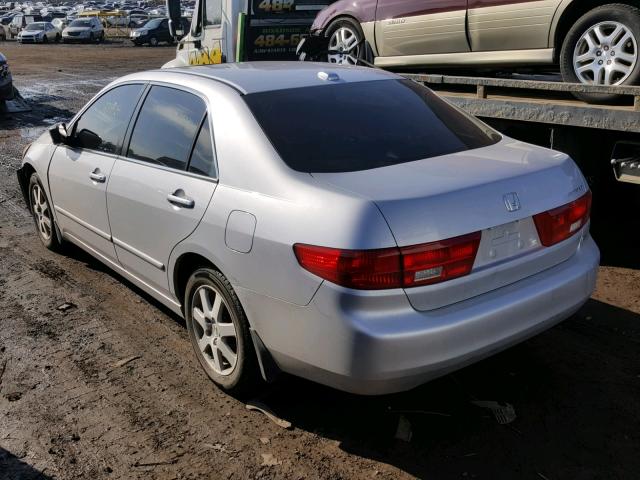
(346, 45)
(214, 330)
(606, 54)
(41, 212)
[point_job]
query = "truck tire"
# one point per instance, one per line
(601, 48)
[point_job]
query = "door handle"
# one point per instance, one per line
(96, 176)
(180, 199)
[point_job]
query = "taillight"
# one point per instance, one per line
(561, 223)
(411, 266)
(439, 261)
(364, 269)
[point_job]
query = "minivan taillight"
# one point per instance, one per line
(558, 224)
(404, 267)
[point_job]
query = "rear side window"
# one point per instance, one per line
(347, 127)
(103, 125)
(166, 127)
(202, 161)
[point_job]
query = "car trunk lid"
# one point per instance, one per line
(495, 190)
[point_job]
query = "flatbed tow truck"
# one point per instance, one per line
(543, 112)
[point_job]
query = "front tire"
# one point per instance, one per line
(602, 49)
(153, 41)
(346, 39)
(42, 214)
(219, 332)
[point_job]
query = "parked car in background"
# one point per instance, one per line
(594, 42)
(20, 21)
(131, 21)
(448, 242)
(87, 29)
(155, 31)
(6, 81)
(39, 32)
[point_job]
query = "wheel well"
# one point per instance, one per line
(341, 17)
(25, 174)
(185, 266)
(573, 12)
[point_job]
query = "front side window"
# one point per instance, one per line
(346, 127)
(213, 12)
(103, 125)
(166, 127)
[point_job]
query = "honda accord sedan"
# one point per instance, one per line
(594, 42)
(345, 225)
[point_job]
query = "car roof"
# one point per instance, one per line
(253, 77)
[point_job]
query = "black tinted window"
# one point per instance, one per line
(166, 127)
(103, 125)
(347, 127)
(202, 156)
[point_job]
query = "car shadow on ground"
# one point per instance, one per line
(12, 467)
(561, 393)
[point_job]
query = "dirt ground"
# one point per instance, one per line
(110, 388)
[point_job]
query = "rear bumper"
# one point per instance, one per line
(368, 344)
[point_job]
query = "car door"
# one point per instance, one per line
(158, 190)
(79, 170)
(420, 27)
(496, 25)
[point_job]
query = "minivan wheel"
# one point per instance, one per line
(602, 49)
(42, 215)
(347, 41)
(219, 332)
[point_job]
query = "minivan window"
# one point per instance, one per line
(202, 156)
(166, 127)
(345, 127)
(105, 122)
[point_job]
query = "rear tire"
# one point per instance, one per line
(43, 214)
(345, 36)
(219, 332)
(593, 42)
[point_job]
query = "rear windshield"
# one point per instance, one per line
(347, 127)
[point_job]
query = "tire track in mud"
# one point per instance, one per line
(103, 421)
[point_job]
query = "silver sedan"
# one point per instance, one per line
(341, 224)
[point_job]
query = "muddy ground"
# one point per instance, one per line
(69, 408)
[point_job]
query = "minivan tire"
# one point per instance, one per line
(625, 15)
(244, 376)
(346, 22)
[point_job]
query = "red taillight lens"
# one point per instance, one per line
(391, 267)
(561, 223)
(364, 269)
(439, 261)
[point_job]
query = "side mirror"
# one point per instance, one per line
(87, 139)
(174, 12)
(59, 133)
